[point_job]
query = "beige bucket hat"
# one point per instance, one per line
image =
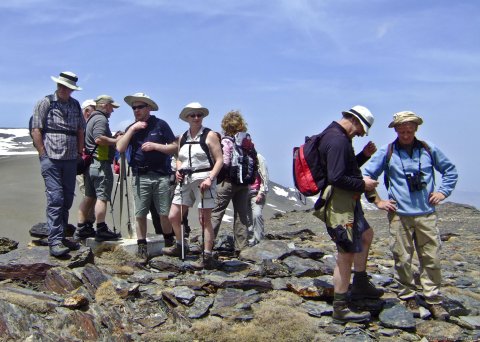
(68, 79)
(405, 116)
(193, 107)
(141, 97)
(106, 99)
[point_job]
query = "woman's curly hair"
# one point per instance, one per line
(233, 122)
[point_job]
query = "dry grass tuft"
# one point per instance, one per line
(106, 294)
(464, 292)
(276, 319)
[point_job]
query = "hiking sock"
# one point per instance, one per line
(82, 225)
(141, 241)
(102, 226)
(339, 297)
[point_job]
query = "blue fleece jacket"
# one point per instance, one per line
(413, 203)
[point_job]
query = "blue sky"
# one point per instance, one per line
(289, 66)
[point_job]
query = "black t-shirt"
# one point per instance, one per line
(338, 158)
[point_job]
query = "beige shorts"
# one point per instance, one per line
(188, 193)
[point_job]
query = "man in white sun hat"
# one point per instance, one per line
(58, 135)
(341, 210)
(152, 142)
(409, 168)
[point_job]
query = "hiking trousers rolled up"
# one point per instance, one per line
(238, 194)
(59, 177)
(420, 234)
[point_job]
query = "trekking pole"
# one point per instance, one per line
(203, 227)
(181, 219)
(112, 204)
(129, 222)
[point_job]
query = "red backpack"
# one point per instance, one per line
(308, 175)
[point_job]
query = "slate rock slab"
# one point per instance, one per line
(300, 267)
(7, 245)
(32, 263)
(184, 294)
(397, 317)
(317, 309)
(312, 288)
(439, 331)
(200, 307)
(266, 249)
(234, 303)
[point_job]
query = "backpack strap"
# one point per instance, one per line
(203, 145)
(54, 105)
(388, 156)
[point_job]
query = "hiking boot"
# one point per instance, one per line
(142, 252)
(175, 250)
(105, 234)
(58, 250)
(84, 232)
(169, 240)
(362, 288)
(207, 263)
(438, 312)
(71, 245)
(412, 306)
(343, 314)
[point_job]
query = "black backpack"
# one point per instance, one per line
(244, 164)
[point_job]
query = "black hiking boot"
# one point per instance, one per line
(58, 250)
(84, 231)
(362, 288)
(342, 314)
(169, 239)
(105, 234)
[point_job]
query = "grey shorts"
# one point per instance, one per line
(148, 188)
(99, 180)
(191, 191)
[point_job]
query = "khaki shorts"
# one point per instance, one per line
(344, 219)
(191, 191)
(148, 188)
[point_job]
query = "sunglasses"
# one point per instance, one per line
(197, 115)
(139, 107)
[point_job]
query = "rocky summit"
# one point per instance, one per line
(280, 289)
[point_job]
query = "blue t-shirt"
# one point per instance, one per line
(159, 132)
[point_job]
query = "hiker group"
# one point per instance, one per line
(215, 170)
(169, 173)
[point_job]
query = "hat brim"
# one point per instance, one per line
(66, 84)
(186, 111)
(416, 120)
(365, 127)
(130, 99)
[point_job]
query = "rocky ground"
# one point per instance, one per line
(279, 290)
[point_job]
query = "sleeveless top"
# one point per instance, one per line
(192, 156)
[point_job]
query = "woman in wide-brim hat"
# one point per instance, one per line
(199, 161)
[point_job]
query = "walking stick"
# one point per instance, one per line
(112, 204)
(203, 227)
(129, 222)
(181, 218)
